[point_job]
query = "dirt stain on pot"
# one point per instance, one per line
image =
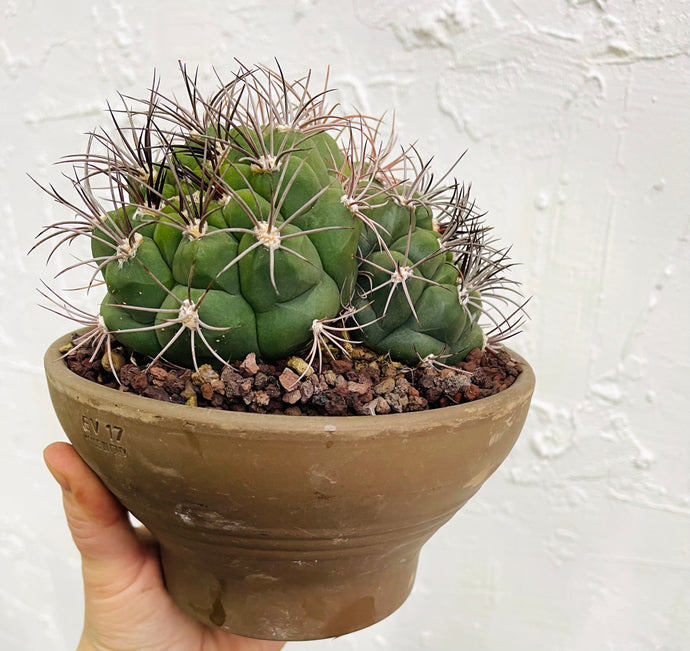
(361, 610)
(194, 443)
(217, 615)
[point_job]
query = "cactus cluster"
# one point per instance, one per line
(262, 218)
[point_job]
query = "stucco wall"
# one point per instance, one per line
(575, 115)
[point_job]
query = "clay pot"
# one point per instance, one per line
(286, 527)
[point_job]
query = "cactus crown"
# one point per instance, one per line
(262, 219)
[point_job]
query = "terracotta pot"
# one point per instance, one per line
(282, 527)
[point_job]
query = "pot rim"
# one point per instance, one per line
(281, 425)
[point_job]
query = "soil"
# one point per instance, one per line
(365, 384)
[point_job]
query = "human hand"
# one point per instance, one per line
(126, 605)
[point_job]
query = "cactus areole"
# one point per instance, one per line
(262, 219)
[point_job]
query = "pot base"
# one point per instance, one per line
(276, 599)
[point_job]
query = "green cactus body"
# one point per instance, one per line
(130, 331)
(139, 281)
(266, 294)
(426, 317)
(259, 221)
(229, 326)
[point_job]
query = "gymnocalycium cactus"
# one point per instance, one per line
(262, 219)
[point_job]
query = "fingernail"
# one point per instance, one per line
(59, 478)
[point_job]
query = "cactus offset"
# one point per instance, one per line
(260, 220)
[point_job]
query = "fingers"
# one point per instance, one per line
(126, 605)
(109, 548)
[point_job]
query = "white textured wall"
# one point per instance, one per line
(576, 116)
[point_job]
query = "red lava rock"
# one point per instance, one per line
(157, 393)
(319, 385)
(273, 391)
(174, 384)
(483, 378)
(292, 397)
(158, 374)
(394, 402)
(341, 366)
(230, 374)
(139, 382)
(427, 381)
(288, 379)
(417, 403)
(207, 390)
(369, 408)
(249, 365)
(232, 389)
(357, 387)
(260, 380)
(336, 406)
(368, 375)
(262, 398)
(306, 391)
(452, 384)
(473, 360)
(471, 392)
(385, 386)
(402, 385)
(382, 406)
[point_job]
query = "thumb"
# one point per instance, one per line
(111, 553)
